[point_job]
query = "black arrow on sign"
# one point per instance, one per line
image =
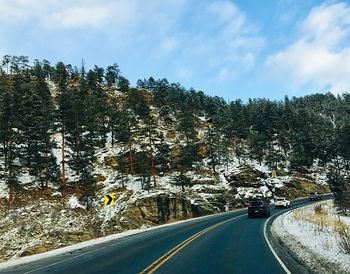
(110, 199)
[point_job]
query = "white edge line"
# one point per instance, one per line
(65, 260)
(267, 240)
(271, 248)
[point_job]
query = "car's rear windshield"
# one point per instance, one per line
(280, 199)
(256, 203)
(312, 193)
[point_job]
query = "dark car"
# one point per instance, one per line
(258, 208)
(315, 196)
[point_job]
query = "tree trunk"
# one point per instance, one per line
(38, 176)
(112, 137)
(63, 177)
(47, 170)
(213, 164)
(9, 168)
(77, 161)
(10, 192)
(10, 183)
(153, 165)
(154, 173)
(5, 154)
(130, 158)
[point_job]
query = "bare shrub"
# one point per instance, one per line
(318, 209)
(344, 239)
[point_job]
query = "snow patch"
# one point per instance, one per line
(3, 190)
(73, 202)
(311, 240)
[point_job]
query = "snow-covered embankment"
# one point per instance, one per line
(317, 236)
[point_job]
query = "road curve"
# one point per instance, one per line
(222, 243)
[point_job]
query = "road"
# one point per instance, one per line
(221, 243)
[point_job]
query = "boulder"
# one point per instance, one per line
(246, 177)
(163, 208)
(34, 250)
(111, 161)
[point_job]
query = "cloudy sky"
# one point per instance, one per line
(233, 49)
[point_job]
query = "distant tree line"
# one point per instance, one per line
(84, 107)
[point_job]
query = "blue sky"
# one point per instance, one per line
(232, 49)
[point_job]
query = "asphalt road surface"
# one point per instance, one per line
(221, 243)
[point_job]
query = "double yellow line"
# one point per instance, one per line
(158, 263)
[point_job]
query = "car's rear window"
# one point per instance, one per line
(312, 193)
(256, 203)
(280, 199)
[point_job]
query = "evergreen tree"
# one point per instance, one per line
(123, 84)
(8, 135)
(143, 168)
(183, 181)
(112, 74)
(188, 123)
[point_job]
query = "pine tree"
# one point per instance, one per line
(213, 140)
(112, 74)
(6, 62)
(123, 84)
(8, 135)
(143, 168)
(37, 123)
(80, 137)
(188, 123)
(183, 181)
(63, 116)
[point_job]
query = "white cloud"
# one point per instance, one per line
(65, 27)
(226, 43)
(327, 24)
(168, 44)
(119, 14)
(225, 10)
(184, 73)
(320, 56)
(226, 73)
(77, 17)
(212, 40)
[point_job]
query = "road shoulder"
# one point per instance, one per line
(297, 257)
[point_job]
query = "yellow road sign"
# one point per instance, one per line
(273, 174)
(109, 199)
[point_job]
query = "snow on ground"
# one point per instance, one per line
(265, 191)
(109, 212)
(73, 202)
(277, 182)
(3, 186)
(318, 173)
(224, 183)
(3, 190)
(311, 232)
(165, 182)
(246, 192)
(57, 152)
(25, 178)
(261, 167)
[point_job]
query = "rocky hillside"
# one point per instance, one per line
(38, 220)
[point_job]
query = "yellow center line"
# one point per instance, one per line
(159, 262)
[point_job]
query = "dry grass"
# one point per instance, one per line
(344, 241)
(318, 210)
(325, 220)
